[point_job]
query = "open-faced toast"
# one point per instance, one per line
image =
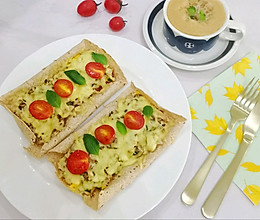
(141, 131)
(47, 111)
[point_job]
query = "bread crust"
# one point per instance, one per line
(128, 174)
(72, 123)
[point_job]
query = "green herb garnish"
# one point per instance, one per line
(75, 77)
(121, 127)
(100, 58)
(53, 99)
(91, 144)
(202, 15)
(196, 15)
(148, 110)
(191, 11)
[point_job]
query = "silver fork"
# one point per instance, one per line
(240, 109)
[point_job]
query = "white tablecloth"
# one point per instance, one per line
(27, 25)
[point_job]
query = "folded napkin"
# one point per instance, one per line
(210, 107)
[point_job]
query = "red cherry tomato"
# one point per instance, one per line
(95, 70)
(63, 87)
(133, 120)
(105, 134)
(87, 8)
(40, 109)
(113, 6)
(117, 23)
(77, 162)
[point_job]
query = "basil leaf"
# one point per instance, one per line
(100, 58)
(148, 110)
(91, 144)
(121, 127)
(75, 77)
(53, 99)
(191, 10)
(202, 15)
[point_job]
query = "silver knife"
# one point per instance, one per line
(214, 200)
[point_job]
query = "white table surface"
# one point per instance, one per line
(27, 25)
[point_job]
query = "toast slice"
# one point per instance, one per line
(73, 110)
(117, 164)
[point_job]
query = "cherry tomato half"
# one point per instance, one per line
(77, 162)
(40, 109)
(63, 87)
(133, 120)
(95, 70)
(105, 134)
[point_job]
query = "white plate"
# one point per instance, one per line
(31, 185)
(221, 52)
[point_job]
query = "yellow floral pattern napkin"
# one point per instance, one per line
(210, 107)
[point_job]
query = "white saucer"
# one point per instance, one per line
(221, 52)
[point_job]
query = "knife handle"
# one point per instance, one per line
(192, 190)
(214, 200)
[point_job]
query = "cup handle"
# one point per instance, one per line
(240, 31)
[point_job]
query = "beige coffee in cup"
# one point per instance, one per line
(196, 17)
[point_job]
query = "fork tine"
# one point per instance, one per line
(249, 99)
(248, 86)
(252, 89)
(248, 91)
(252, 100)
(241, 95)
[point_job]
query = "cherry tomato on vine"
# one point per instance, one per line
(114, 6)
(117, 23)
(105, 134)
(63, 87)
(77, 162)
(87, 8)
(95, 70)
(133, 120)
(40, 109)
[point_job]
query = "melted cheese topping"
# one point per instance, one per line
(71, 106)
(124, 151)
